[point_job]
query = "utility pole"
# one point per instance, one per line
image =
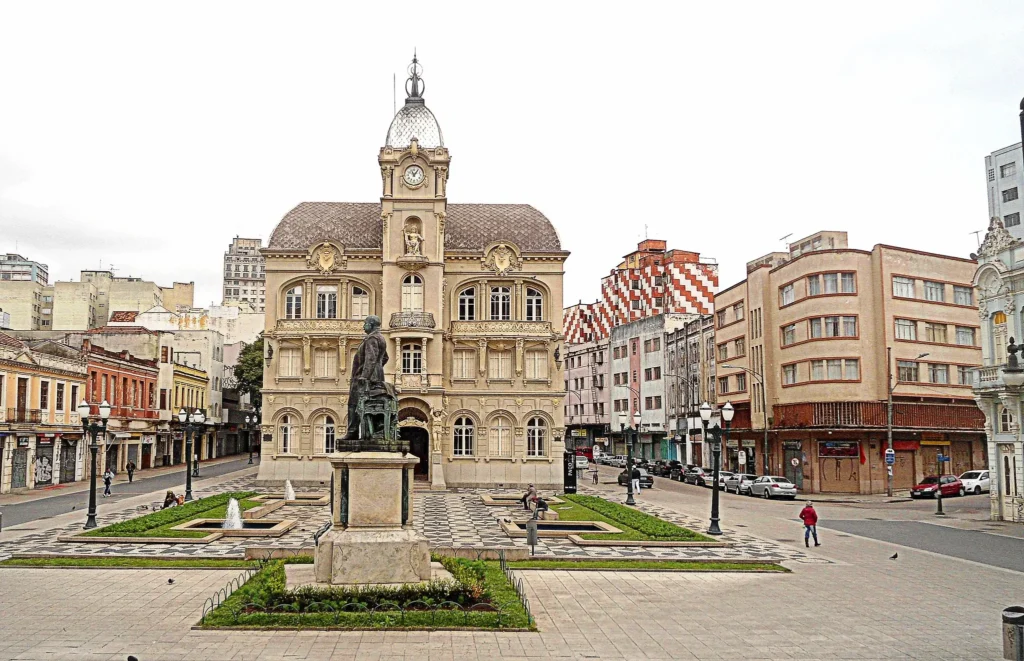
(888, 387)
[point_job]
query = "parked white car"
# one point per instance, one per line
(976, 482)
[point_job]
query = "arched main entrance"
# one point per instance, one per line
(412, 427)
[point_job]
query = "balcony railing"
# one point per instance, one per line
(502, 328)
(24, 415)
(873, 414)
(412, 320)
(343, 326)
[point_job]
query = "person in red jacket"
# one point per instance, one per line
(810, 519)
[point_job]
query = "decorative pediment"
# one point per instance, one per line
(326, 257)
(502, 258)
(997, 239)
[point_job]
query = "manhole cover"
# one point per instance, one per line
(785, 540)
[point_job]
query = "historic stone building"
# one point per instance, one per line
(470, 296)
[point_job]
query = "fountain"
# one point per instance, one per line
(233, 519)
(289, 492)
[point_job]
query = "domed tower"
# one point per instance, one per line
(414, 171)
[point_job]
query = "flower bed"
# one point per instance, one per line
(160, 523)
(635, 526)
(479, 597)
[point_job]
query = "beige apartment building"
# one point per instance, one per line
(815, 326)
(470, 296)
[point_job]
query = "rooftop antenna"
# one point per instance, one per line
(786, 237)
(976, 233)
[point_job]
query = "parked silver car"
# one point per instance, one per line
(773, 486)
(740, 483)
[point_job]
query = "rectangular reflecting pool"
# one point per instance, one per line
(557, 528)
(250, 527)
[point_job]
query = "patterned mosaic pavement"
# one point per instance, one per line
(454, 518)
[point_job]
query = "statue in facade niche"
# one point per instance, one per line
(367, 376)
(413, 241)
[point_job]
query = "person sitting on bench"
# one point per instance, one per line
(170, 500)
(529, 496)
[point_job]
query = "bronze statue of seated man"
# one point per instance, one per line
(368, 374)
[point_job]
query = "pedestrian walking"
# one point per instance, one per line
(108, 478)
(635, 477)
(131, 471)
(595, 473)
(810, 519)
(528, 497)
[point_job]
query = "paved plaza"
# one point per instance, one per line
(845, 600)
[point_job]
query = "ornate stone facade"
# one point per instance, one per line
(470, 297)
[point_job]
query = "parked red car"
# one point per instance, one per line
(950, 485)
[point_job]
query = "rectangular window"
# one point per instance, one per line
(851, 368)
(741, 382)
(647, 374)
(938, 373)
(326, 363)
(814, 285)
(1008, 170)
(789, 374)
(817, 370)
(1011, 219)
(537, 365)
(934, 291)
(60, 398)
(738, 308)
(720, 316)
(163, 399)
(723, 384)
(907, 370)
(935, 333)
(647, 346)
(656, 344)
(906, 329)
(965, 375)
(786, 295)
(902, 287)
(741, 347)
(831, 283)
(501, 303)
(636, 304)
(835, 370)
(657, 402)
(74, 394)
(326, 302)
(965, 336)
(832, 326)
(462, 363)
(1010, 194)
(816, 328)
(44, 395)
(963, 295)
(290, 362)
(499, 365)
(723, 352)
(847, 283)
(412, 358)
(850, 326)
(788, 334)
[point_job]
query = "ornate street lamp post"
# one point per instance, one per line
(254, 420)
(727, 412)
(93, 429)
(192, 423)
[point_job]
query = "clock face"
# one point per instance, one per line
(413, 175)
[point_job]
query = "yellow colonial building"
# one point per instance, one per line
(470, 296)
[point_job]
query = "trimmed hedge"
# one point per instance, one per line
(645, 524)
(139, 526)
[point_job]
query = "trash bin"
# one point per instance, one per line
(1013, 626)
(531, 534)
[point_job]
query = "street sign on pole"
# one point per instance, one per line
(890, 456)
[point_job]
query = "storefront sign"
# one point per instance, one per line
(43, 440)
(732, 443)
(747, 443)
(23, 441)
(569, 472)
(792, 445)
(579, 433)
(268, 438)
(838, 449)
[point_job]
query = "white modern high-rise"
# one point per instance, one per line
(1004, 177)
(244, 278)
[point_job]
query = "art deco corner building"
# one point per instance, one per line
(470, 296)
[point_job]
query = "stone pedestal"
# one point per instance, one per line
(373, 540)
(437, 482)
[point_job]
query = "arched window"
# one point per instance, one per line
(326, 302)
(463, 439)
(1005, 420)
(501, 303)
(285, 432)
(360, 303)
(467, 304)
(500, 440)
(324, 434)
(412, 358)
(536, 437)
(534, 305)
(412, 293)
(293, 303)
(1000, 338)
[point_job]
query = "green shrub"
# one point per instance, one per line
(651, 526)
(169, 516)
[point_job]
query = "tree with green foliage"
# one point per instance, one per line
(249, 371)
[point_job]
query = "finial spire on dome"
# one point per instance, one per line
(415, 86)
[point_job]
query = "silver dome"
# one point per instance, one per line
(414, 120)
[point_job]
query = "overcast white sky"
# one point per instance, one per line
(148, 135)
